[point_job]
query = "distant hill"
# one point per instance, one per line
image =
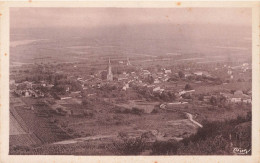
(158, 40)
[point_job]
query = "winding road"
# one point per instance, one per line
(190, 117)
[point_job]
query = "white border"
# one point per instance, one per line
(4, 125)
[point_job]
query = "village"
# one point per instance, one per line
(73, 104)
(164, 85)
(130, 81)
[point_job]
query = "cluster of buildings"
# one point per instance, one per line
(29, 89)
(238, 97)
(154, 81)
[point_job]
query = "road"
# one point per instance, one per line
(88, 138)
(190, 117)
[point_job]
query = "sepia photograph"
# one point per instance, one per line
(131, 81)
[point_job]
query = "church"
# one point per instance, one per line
(109, 72)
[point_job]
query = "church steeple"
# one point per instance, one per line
(109, 72)
(128, 62)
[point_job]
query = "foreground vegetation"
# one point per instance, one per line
(214, 138)
(218, 138)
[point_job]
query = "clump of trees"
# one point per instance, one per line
(62, 86)
(148, 94)
(129, 146)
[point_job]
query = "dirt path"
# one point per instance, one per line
(190, 117)
(78, 140)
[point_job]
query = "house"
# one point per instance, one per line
(229, 72)
(249, 101)
(126, 87)
(146, 72)
(245, 64)
(166, 79)
(178, 103)
(27, 94)
(76, 92)
(183, 92)
(235, 100)
(187, 75)
(123, 76)
(238, 97)
(61, 110)
(65, 98)
(167, 71)
(50, 86)
(67, 89)
(158, 89)
(28, 84)
(149, 86)
(206, 98)
(156, 81)
(238, 93)
(200, 73)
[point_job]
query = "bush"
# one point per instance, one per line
(137, 111)
(156, 110)
(87, 102)
(201, 98)
(181, 74)
(217, 137)
(164, 148)
(188, 87)
(129, 146)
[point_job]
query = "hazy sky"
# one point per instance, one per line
(98, 17)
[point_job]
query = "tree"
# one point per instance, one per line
(201, 97)
(104, 75)
(59, 89)
(75, 86)
(188, 87)
(149, 79)
(213, 100)
(88, 103)
(181, 74)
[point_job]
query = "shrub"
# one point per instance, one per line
(217, 137)
(201, 97)
(164, 148)
(137, 111)
(156, 110)
(132, 146)
(188, 87)
(181, 74)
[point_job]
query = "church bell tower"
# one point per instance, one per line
(109, 72)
